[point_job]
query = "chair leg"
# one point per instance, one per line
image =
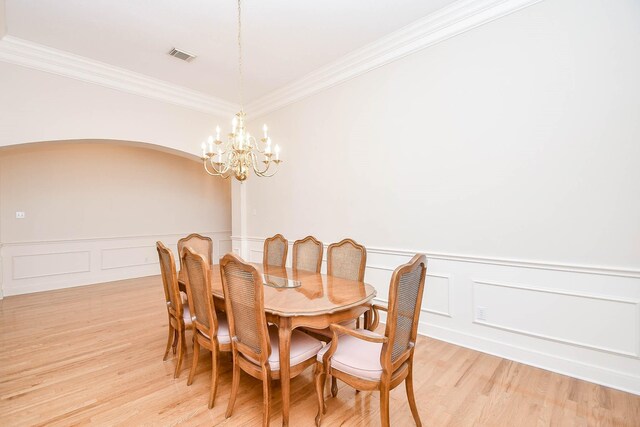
(169, 341)
(334, 386)
(384, 407)
(194, 361)
(181, 351)
(234, 386)
(175, 340)
(214, 374)
(319, 380)
(266, 397)
(411, 397)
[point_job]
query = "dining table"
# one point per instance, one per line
(296, 298)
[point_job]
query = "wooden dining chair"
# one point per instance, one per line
(369, 361)
(179, 314)
(255, 345)
(211, 330)
(307, 254)
(200, 244)
(275, 251)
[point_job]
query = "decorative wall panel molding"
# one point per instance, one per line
(43, 58)
(434, 28)
(583, 327)
(44, 265)
(50, 264)
(581, 321)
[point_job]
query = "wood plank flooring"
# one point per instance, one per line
(93, 355)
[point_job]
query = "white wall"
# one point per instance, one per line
(39, 106)
(510, 155)
(94, 210)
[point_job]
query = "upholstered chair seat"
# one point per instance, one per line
(186, 315)
(223, 330)
(303, 348)
(357, 357)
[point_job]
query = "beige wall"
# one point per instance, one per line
(95, 190)
(94, 210)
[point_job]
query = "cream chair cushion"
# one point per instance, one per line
(356, 357)
(303, 347)
(224, 337)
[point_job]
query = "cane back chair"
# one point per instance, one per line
(255, 344)
(368, 361)
(179, 314)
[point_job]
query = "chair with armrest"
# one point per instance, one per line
(255, 344)
(369, 361)
(179, 315)
(275, 251)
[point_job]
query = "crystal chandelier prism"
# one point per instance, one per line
(242, 152)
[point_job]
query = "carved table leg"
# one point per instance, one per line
(284, 331)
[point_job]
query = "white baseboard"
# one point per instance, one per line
(580, 321)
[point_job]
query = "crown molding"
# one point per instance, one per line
(32, 55)
(436, 27)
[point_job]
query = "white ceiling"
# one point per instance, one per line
(283, 39)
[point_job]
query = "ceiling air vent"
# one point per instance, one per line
(181, 54)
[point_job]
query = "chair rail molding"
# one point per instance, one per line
(39, 57)
(434, 28)
(577, 320)
(507, 262)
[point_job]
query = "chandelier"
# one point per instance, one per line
(241, 152)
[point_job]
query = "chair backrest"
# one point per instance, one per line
(200, 244)
(244, 299)
(405, 300)
(347, 260)
(169, 280)
(307, 254)
(203, 315)
(275, 251)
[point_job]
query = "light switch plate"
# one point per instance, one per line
(20, 215)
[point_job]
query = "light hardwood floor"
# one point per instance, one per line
(93, 354)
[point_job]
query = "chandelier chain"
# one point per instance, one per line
(240, 55)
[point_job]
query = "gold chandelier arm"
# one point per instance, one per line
(215, 173)
(262, 173)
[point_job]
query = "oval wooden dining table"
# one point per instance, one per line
(298, 298)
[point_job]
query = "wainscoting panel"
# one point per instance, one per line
(575, 320)
(129, 257)
(437, 298)
(51, 264)
(39, 266)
